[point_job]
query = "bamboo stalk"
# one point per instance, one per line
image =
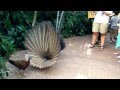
(34, 19)
(60, 20)
(57, 21)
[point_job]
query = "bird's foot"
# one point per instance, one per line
(24, 72)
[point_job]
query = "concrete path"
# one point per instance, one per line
(76, 61)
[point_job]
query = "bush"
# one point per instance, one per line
(3, 70)
(6, 49)
(76, 24)
(12, 30)
(6, 46)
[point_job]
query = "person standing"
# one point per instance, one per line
(114, 27)
(117, 46)
(100, 25)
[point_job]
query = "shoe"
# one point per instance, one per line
(91, 45)
(101, 48)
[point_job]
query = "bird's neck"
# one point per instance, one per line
(29, 59)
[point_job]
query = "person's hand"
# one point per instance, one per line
(118, 25)
(106, 13)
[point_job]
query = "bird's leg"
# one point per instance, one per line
(24, 72)
(19, 70)
(20, 74)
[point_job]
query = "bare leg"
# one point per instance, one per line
(110, 37)
(94, 37)
(115, 35)
(98, 38)
(111, 33)
(103, 36)
(95, 30)
(116, 53)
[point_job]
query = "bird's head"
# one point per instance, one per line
(28, 57)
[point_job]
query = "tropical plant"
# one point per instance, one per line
(76, 23)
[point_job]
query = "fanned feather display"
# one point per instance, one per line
(44, 44)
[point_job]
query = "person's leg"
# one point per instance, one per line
(95, 29)
(111, 35)
(103, 36)
(103, 31)
(97, 39)
(94, 37)
(117, 46)
(115, 35)
(116, 53)
(115, 32)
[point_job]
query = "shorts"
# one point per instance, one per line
(100, 27)
(114, 27)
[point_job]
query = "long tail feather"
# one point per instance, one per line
(11, 61)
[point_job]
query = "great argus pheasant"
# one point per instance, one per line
(44, 44)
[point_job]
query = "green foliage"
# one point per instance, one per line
(12, 31)
(17, 33)
(6, 49)
(14, 24)
(46, 15)
(76, 23)
(6, 46)
(3, 70)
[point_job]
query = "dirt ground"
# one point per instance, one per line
(75, 62)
